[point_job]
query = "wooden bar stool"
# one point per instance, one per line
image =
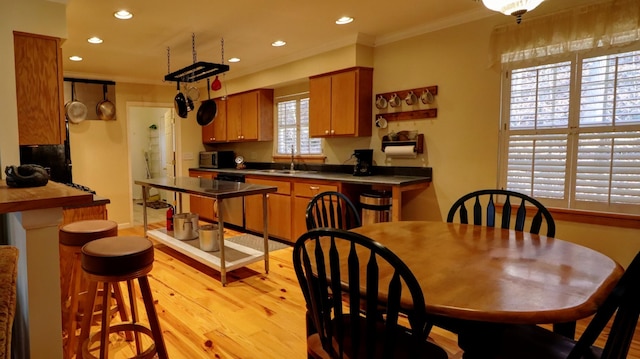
(71, 238)
(120, 259)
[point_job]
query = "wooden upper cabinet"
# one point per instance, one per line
(340, 103)
(39, 89)
(217, 130)
(250, 116)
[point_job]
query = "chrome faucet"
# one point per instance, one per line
(293, 166)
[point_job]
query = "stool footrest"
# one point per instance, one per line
(122, 327)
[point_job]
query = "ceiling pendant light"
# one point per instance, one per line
(516, 8)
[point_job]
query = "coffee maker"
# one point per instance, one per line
(364, 162)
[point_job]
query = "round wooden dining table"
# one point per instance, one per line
(497, 275)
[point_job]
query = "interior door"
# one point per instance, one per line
(170, 146)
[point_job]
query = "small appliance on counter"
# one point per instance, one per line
(217, 159)
(364, 162)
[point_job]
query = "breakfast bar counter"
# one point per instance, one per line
(30, 219)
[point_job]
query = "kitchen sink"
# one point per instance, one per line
(291, 172)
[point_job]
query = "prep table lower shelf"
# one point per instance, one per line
(236, 255)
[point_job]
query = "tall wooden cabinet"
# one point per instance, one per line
(340, 103)
(39, 89)
(217, 130)
(250, 116)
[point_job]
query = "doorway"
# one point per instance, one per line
(152, 148)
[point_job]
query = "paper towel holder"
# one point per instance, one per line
(418, 143)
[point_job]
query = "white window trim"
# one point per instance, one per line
(572, 132)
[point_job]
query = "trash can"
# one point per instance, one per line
(376, 207)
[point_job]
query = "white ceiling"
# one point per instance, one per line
(136, 50)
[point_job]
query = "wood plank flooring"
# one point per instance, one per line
(255, 316)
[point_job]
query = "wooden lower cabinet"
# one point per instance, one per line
(278, 207)
(303, 192)
(204, 207)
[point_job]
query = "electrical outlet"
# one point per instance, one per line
(253, 155)
(187, 156)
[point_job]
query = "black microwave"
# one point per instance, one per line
(217, 159)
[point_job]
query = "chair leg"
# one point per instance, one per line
(154, 323)
(566, 329)
(106, 319)
(124, 317)
(86, 319)
(134, 313)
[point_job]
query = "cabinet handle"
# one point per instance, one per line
(326, 132)
(333, 131)
(213, 138)
(314, 188)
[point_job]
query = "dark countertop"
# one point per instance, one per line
(392, 176)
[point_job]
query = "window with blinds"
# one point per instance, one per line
(572, 133)
(293, 127)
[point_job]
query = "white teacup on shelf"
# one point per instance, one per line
(381, 102)
(411, 98)
(426, 97)
(381, 122)
(394, 101)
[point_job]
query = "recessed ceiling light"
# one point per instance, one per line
(234, 59)
(75, 58)
(94, 40)
(278, 43)
(123, 15)
(344, 20)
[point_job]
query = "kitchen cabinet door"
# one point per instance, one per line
(216, 131)
(303, 192)
(250, 116)
(340, 103)
(278, 207)
(204, 207)
(39, 89)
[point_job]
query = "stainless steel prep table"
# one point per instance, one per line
(219, 190)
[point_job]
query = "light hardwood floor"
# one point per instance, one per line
(255, 316)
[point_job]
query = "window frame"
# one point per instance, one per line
(298, 97)
(572, 131)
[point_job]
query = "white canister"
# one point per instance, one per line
(209, 238)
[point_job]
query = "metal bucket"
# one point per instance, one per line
(185, 226)
(209, 238)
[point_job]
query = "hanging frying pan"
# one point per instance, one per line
(208, 109)
(75, 111)
(180, 103)
(105, 109)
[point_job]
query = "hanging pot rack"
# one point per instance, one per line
(197, 71)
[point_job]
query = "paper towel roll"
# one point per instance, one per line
(400, 151)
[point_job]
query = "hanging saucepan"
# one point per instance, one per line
(180, 103)
(208, 109)
(105, 109)
(75, 111)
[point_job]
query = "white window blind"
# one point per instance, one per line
(572, 133)
(293, 127)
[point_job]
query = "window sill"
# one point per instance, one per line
(599, 218)
(591, 217)
(300, 158)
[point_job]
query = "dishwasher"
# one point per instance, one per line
(234, 214)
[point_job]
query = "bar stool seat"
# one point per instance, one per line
(112, 260)
(71, 238)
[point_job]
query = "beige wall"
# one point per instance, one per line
(461, 143)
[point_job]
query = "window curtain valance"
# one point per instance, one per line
(580, 29)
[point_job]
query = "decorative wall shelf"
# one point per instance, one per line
(403, 93)
(418, 143)
(408, 115)
(196, 71)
